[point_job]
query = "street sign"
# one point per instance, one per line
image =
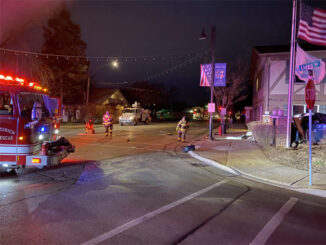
(211, 107)
(310, 94)
(309, 66)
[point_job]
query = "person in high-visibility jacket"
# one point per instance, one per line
(89, 127)
(182, 128)
(108, 123)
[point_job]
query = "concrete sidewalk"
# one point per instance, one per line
(247, 158)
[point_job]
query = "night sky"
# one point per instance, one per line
(150, 28)
(159, 27)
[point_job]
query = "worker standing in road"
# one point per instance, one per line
(108, 123)
(182, 128)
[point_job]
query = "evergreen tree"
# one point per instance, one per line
(62, 37)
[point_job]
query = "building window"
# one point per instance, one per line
(6, 107)
(298, 80)
(316, 109)
(258, 81)
(298, 109)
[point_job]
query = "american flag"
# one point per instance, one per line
(312, 25)
(205, 75)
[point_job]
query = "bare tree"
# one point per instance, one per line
(236, 89)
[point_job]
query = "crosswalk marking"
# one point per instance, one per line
(274, 222)
(150, 215)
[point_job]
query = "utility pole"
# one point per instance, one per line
(87, 91)
(203, 37)
(61, 90)
(212, 81)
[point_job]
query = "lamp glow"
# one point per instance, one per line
(115, 64)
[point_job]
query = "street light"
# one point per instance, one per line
(203, 37)
(114, 64)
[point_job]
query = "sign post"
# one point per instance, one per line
(310, 96)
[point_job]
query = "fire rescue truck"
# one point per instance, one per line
(29, 126)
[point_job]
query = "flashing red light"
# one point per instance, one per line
(9, 78)
(21, 82)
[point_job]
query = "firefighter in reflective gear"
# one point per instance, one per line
(182, 128)
(89, 128)
(108, 123)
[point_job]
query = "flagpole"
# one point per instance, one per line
(292, 75)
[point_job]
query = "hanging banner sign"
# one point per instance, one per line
(206, 74)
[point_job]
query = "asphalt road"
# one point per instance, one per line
(138, 187)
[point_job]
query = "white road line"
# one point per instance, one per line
(274, 222)
(150, 215)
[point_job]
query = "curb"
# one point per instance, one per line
(237, 172)
(214, 163)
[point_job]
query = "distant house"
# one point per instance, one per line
(101, 100)
(106, 99)
(270, 77)
(108, 96)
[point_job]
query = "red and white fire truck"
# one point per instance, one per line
(29, 126)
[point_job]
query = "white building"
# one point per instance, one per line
(270, 77)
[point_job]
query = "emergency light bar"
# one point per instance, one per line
(9, 80)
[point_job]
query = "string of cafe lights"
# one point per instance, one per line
(176, 67)
(5, 51)
(125, 84)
